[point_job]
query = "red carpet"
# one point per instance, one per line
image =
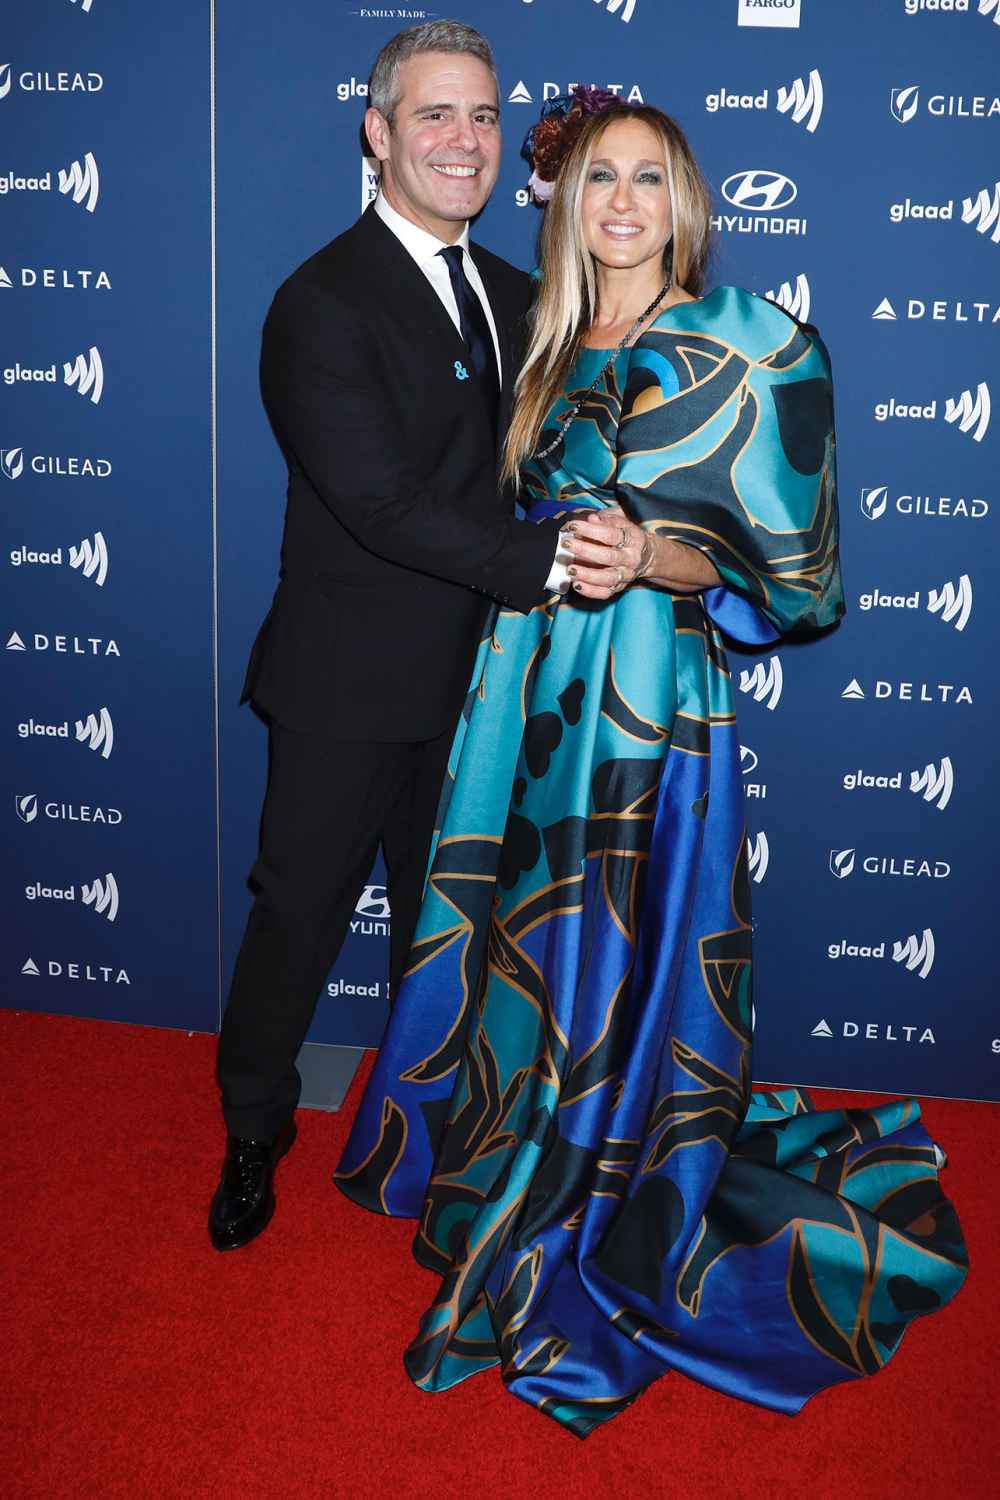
(140, 1363)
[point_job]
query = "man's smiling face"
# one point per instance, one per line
(441, 157)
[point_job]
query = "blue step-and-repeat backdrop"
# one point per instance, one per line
(163, 168)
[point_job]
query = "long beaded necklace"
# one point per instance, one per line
(568, 416)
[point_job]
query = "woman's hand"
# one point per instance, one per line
(610, 553)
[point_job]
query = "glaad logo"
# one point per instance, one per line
(86, 375)
(102, 895)
(916, 953)
(53, 465)
(97, 732)
(624, 9)
(803, 101)
(954, 605)
(83, 4)
(990, 8)
(758, 857)
(760, 194)
(794, 298)
(352, 89)
(934, 783)
(984, 210)
(372, 914)
(765, 682)
(769, 12)
(84, 183)
(972, 413)
(90, 558)
(928, 692)
(875, 502)
(952, 602)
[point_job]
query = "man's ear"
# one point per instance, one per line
(378, 133)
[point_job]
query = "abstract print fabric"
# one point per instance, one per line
(563, 1098)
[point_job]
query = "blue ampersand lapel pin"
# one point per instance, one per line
(461, 373)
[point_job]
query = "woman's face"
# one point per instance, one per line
(625, 212)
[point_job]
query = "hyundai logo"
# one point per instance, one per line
(761, 192)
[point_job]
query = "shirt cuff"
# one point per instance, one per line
(558, 579)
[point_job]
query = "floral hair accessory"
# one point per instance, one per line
(550, 141)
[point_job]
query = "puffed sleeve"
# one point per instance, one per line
(726, 443)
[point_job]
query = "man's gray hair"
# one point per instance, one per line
(384, 92)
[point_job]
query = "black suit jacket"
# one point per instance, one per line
(396, 532)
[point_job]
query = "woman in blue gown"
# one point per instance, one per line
(563, 1095)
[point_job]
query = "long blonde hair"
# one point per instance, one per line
(567, 301)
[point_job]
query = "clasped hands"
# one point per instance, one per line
(608, 553)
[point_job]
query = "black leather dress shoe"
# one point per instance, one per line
(244, 1200)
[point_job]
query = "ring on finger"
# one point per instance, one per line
(622, 537)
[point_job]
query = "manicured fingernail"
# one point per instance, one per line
(578, 587)
(571, 572)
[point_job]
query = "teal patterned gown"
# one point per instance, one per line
(563, 1096)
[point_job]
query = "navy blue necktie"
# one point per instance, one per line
(475, 330)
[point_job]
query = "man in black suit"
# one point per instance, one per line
(387, 371)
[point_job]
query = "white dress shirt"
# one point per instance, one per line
(425, 249)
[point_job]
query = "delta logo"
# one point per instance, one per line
(876, 502)
(886, 690)
(80, 181)
(630, 93)
(56, 968)
(801, 100)
(54, 278)
(63, 645)
(969, 413)
(938, 310)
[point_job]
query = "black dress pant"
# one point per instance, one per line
(329, 805)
